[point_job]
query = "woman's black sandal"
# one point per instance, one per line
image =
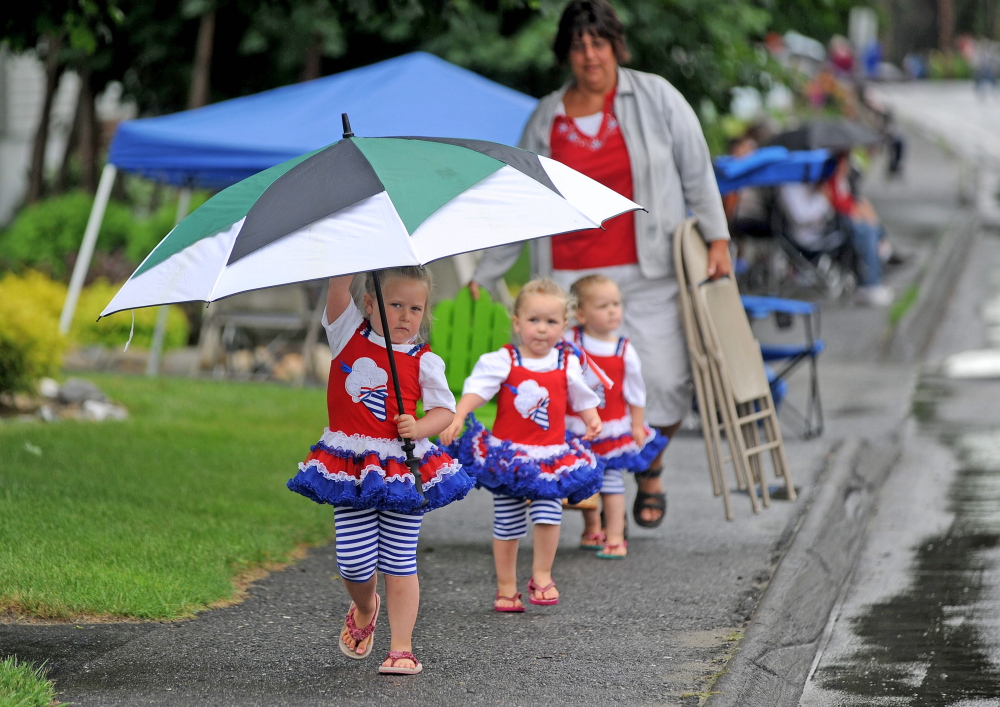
(649, 501)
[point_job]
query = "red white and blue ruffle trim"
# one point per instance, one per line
(556, 471)
(366, 472)
(616, 446)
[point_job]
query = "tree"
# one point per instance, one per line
(820, 19)
(63, 32)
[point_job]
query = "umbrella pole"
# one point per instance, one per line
(411, 461)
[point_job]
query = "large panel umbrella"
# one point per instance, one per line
(364, 204)
(834, 135)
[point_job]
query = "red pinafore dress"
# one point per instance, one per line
(359, 461)
(528, 455)
(615, 445)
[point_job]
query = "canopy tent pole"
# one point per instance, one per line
(159, 333)
(87, 246)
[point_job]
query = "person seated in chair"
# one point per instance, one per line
(866, 231)
(812, 222)
(820, 218)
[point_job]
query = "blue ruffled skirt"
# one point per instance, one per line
(365, 472)
(569, 470)
(616, 446)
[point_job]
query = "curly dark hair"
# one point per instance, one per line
(594, 17)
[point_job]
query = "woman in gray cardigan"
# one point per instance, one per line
(635, 133)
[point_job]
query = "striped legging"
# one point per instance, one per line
(613, 481)
(369, 539)
(509, 522)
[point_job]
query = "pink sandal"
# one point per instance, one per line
(359, 634)
(508, 609)
(592, 541)
(400, 655)
(533, 587)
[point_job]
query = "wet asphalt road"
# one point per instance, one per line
(920, 621)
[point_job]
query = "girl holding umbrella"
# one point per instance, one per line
(635, 133)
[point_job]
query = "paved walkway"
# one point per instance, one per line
(656, 629)
(968, 124)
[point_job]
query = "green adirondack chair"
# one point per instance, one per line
(463, 329)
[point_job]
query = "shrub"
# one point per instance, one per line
(44, 235)
(114, 330)
(30, 343)
(947, 66)
(47, 236)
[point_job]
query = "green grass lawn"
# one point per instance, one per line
(157, 516)
(22, 685)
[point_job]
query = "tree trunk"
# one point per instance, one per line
(887, 38)
(36, 177)
(84, 138)
(90, 136)
(946, 24)
(201, 72)
(62, 179)
(311, 65)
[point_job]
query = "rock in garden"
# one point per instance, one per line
(77, 390)
(241, 361)
(48, 388)
(99, 411)
(321, 358)
(291, 367)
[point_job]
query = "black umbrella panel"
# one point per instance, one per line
(833, 135)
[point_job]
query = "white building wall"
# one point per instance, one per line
(22, 91)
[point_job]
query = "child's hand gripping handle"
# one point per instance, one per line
(411, 461)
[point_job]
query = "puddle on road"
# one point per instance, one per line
(935, 644)
(984, 363)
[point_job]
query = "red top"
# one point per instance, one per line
(532, 405)
(613, 405)
(604, 158)
(359, 395)
(840, 197)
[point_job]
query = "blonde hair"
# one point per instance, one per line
(579, 289)
(407, 272)
(546, 287)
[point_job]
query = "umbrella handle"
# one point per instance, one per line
(411, 461)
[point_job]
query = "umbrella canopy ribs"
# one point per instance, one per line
(364, 204)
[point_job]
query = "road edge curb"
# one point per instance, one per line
(772, 662)
(910, 338)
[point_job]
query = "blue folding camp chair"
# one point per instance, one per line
(785, 358)
(773, 264)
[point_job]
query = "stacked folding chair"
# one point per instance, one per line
(733, 395)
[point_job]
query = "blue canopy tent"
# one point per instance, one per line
(220, 144)
(769, 166)
(414, 94)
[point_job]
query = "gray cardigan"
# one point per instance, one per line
(671, 170)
